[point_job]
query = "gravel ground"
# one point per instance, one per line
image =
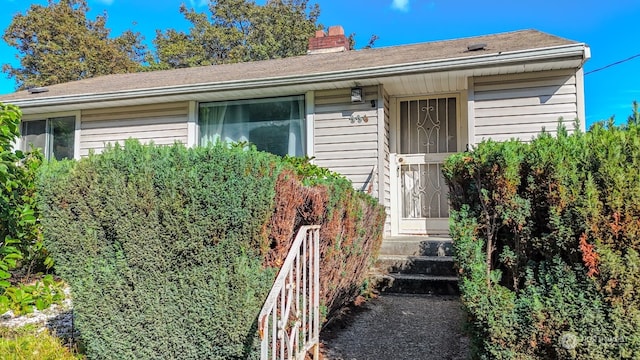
(57, 318)
(399, 326)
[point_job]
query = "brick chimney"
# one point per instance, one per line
(334, 41)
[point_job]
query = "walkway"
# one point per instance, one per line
(400, 326)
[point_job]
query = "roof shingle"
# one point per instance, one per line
(302, 65)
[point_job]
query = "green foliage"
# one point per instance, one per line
(21, 243)
(159, 245)
(172, 251)
(57, 43)
(547, 242)
(236, 31)
(10, 175)
(310, 173)
(28, 343)
(22, 299)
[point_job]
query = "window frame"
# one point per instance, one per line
(21, 145)
(306, 116)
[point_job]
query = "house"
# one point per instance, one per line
(385, 118)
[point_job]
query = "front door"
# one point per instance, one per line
(428, 133)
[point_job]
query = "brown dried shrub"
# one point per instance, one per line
(350, 234)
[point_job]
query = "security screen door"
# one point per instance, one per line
(428, 134)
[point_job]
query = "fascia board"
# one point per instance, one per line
(487, 60)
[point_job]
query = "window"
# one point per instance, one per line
(275, 125)
(54, 136)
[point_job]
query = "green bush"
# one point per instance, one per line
(24, 298)
(170, 252)
(546, 238)
(21, 243)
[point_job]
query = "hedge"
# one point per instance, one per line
(546, 238)
(170, 251)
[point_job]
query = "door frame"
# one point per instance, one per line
(462, 141)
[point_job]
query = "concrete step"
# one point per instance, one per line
(417, 246)
(426, 265)
(416, 284)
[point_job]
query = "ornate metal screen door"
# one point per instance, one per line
(428, 134)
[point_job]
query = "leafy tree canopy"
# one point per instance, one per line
(56, 43)
(238, 30)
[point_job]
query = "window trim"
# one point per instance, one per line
(307, 98)
(76, 135)
(309, 107)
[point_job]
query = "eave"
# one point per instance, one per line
(571, 55)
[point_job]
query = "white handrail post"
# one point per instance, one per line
(316, 293)
(295, 293)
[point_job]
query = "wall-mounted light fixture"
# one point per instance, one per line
(357, 95)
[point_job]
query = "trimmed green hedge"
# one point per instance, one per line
(170, 251)
(547, 238)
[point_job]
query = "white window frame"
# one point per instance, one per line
(76, 135)
(193, 127)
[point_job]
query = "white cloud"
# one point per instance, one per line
(198, 3)
(401, 5)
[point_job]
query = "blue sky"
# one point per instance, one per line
(610, 28)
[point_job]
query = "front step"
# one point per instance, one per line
(427, 265)
(417, 246)
(417, 284)
(416, 265)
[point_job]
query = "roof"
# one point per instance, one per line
(306, 65)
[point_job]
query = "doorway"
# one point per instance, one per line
(428, 132)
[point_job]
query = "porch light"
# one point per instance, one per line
(357, 95)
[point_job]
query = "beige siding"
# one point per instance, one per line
(342, 145)
(520, 106)
(162, 123)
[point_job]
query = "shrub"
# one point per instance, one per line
(21, 243)
(352, 225)
(546, 238)
(23, 298)
(171, 251)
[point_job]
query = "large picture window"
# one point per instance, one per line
(275, 125)
(54, 136)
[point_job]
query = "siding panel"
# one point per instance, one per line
(489, 131)
(347, 130)
(501, 110)
(341, 147)
(349, 148)
(163, 124)
(524, 119)
(538, 100)
(519, 106)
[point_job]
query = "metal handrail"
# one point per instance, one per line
(289, 322)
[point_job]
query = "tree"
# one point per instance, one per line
(56, 43)
(634, 118)
(238, 30)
